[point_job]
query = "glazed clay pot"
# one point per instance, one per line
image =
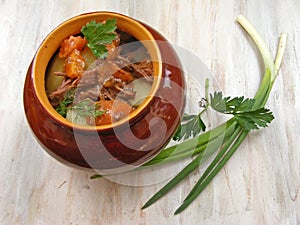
(125, 144)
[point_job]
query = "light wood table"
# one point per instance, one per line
(259, 185)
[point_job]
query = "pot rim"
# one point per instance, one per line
(52, 42)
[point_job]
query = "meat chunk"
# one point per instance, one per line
(143, 69)
(58, 95)
(105, 75)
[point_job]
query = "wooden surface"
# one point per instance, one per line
(259, 185)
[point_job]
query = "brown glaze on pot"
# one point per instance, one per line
(118, 148)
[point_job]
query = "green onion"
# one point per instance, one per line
(233, 135)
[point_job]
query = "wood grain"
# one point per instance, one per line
(259, 185)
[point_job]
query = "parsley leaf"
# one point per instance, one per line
(87, 108)
(62, 108)
(230, 105)
(254, 119)
(191, 125)
(98, 35)
(242, 109)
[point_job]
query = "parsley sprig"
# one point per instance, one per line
(87, 108)
(230, 105)
(243, 110)
(98, 35)
(192, 125)
(68, 99)
(240, 107)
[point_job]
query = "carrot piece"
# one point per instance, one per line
(68, 45)
(114, 111)
(123, 75)
(74, 64)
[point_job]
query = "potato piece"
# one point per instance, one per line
(54, 81)
(74, 117)
(88, 56)
(142, 89)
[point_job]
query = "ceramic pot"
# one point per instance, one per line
(120, 146)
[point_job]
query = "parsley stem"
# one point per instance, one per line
(206, 88)
(206, 97)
